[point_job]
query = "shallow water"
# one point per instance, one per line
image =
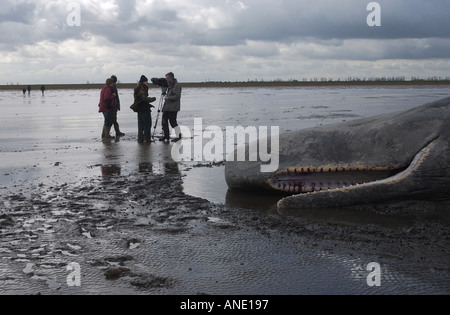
(61, 128)
(56, 175)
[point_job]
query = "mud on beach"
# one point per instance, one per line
(139, 233)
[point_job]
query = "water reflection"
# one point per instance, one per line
(172, 169)
(158, 168)
(387, 216)
(262, 202)
(350, 217)
(156, 159)
(146, 168)
(109, 171)
(125, 158)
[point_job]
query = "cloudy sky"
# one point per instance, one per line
(220, 40)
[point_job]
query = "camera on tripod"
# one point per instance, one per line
(162, 83)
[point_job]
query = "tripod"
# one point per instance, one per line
(160, 107)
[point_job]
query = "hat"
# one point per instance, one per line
(143, 79)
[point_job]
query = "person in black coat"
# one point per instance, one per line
(143, 107)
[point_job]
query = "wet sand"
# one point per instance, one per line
(134, 231)
(121, 212)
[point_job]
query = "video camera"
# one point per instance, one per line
(162, 83)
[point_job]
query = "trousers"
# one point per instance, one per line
(169, 117)
(144, 126)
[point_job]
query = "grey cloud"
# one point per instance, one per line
(130, 27)
(295, 20)
(127, 9)
(282, 21)
(371, 50)
(22, 12)
(206, 31)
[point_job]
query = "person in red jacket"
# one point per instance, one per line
(106, 107)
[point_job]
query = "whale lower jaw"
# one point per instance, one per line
(343, 186)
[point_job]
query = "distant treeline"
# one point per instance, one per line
(351, 81)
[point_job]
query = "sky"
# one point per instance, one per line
(50, 42)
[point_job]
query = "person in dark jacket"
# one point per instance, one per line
(143, 108)
(171, 108)
(116, 108)
(107, 97)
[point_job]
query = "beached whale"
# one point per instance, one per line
(396, 156)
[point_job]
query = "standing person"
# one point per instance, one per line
(116, 108)
(42, 89)
(107, 97)
(172, 106)
(143, 107)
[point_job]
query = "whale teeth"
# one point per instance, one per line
(306, 170)
(297, 180)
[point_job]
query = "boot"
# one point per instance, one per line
(105, 134)
(178, 134)
(165, 127)
(117, 129)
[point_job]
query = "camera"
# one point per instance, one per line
(162, 82)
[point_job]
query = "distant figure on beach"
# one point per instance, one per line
(24, 90)
(116, 107)
(29, 90)
(42, 89)
(143, 107)
(106, 105)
